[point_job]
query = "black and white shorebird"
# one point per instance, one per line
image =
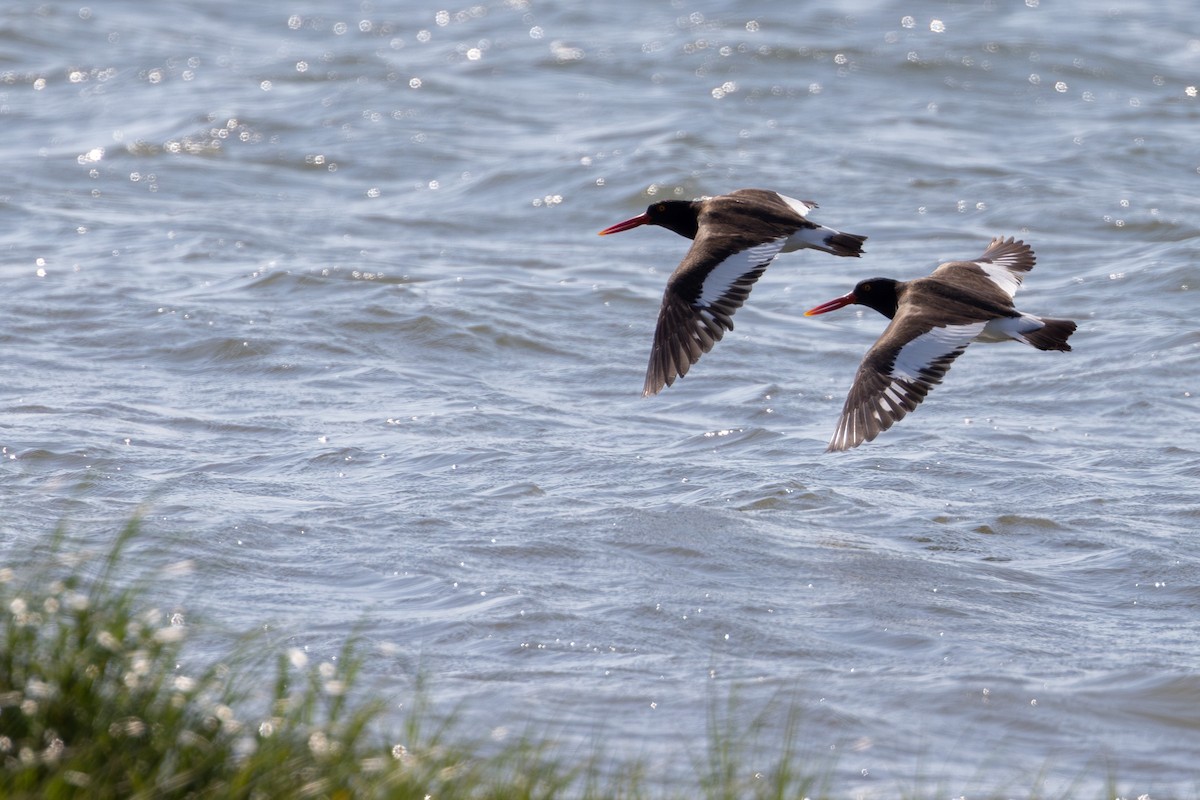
(933, 321)
(735, 237)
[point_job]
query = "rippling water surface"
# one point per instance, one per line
(317, 289)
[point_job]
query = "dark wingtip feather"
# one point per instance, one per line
(845, 244)
(1053, 335)
(1017, 255)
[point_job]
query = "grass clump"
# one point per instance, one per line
(93, 704)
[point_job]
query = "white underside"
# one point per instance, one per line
(943, 340)
(809, 237)
(1010, 328)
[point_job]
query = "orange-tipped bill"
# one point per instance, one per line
(832, 305)
(640, 219)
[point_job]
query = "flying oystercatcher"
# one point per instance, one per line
(933, 321)
(735, 237)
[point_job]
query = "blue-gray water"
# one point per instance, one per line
(318, 289)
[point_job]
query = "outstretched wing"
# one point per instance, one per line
(1002, 266)
(698, 306)
(895, 375)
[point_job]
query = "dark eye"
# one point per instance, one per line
(660, 208)
(866, 288)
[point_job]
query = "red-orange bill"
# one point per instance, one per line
(640, 219)
(832, 305)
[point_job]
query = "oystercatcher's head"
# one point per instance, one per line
(679, 216)
(877, 293)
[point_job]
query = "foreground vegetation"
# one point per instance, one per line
(95, 703)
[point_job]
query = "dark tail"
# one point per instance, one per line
(1052, 335)
(845, 244)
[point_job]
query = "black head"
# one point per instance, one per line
(880, 294)
(679, 216)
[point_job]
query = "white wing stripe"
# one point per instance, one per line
(723, 276)
(1001, 275)
(916, 356)
(799, 206)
